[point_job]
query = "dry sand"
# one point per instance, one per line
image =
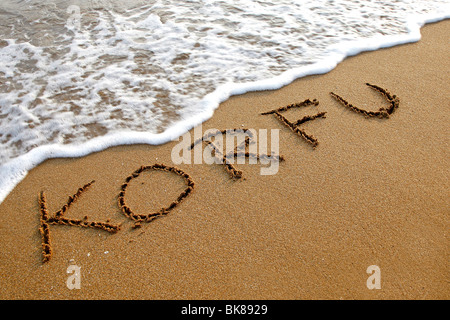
(373, 192)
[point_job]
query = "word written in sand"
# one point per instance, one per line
(382, 112)
(139, 218)
(294, 126)
(240, 151)
(59, 218)
(247, 132)
(232, 171)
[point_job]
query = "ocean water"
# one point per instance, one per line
(79, 76)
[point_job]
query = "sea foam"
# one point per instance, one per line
(150, 73)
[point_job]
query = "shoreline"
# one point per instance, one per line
(371, 193)
(341, 52)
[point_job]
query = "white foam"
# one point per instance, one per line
(250, 47)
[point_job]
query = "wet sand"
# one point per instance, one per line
(374, 191)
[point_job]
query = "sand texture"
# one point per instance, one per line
(364, 181)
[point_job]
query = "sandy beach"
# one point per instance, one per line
(373, 192)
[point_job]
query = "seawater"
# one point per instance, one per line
(80, 76)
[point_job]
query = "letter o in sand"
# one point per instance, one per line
(139, 218)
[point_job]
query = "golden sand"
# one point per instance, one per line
(373, 192)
